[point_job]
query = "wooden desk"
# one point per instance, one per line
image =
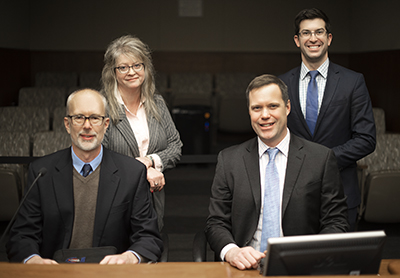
(394, 267)
(160, 270)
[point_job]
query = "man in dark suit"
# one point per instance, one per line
(343, 112)
(310, 196)
(107, 203)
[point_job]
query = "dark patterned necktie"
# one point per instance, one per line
(86, 169)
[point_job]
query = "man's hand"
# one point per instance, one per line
(39, 260)
(124, 258)
(244, 258)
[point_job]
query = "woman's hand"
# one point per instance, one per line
(146, 161)
(156, 179)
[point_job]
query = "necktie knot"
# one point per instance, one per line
(86, 170)
(313, 74)
(272, 154)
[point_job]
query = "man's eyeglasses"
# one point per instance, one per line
(306, 34)
(125, 69)
(79, 120)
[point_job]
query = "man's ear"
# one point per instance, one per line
(107, 122)
(66, 124)
(288, 107)
(296, 40)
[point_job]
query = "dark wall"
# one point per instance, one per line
(381, 71)
(15, 73)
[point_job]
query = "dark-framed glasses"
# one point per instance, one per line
(79, 120)
(125, 69)
(307, 33)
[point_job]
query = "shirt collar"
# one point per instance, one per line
(323, 70)
(283, 146)
(117, 95)
(78, 163)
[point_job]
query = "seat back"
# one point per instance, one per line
(24, 119)
(48, 142)
(49, 97)
(12, 176)
(386, 155)
(382, 204)
(58, 119)
(380, 123)
(380, 180)
(10, 188)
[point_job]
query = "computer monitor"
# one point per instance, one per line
(352, 253)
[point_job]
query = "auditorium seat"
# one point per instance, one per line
(24, 119)
(58, 118)
(48, 142)
(12, 176)
(48, 97)
(380, 181)
(379, 116)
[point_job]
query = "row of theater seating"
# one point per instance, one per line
(223, 93)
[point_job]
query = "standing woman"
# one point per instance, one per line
(141, 125)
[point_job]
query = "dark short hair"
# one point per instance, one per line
(264, 80)
(311, 14)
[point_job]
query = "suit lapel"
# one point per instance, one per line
(151, 122)
(108, 185)
(63, 188)
(329, 93)
(251, 163)
(126, 131)
(295, 96)
(294, 165)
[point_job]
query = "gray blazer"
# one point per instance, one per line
(164, 141)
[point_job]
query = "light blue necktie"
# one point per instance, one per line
(271, 211)
(86, 169)
(312, 101)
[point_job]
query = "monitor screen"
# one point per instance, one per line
(352, 253)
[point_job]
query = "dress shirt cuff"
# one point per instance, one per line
(157, 162)
(136, 255)
(30, 257)
(226, 249)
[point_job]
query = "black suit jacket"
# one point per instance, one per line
(124, 215)
(345, 122)
(313, 200)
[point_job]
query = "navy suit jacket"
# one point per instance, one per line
(313, 201)
(124, 217)
(345, 122)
